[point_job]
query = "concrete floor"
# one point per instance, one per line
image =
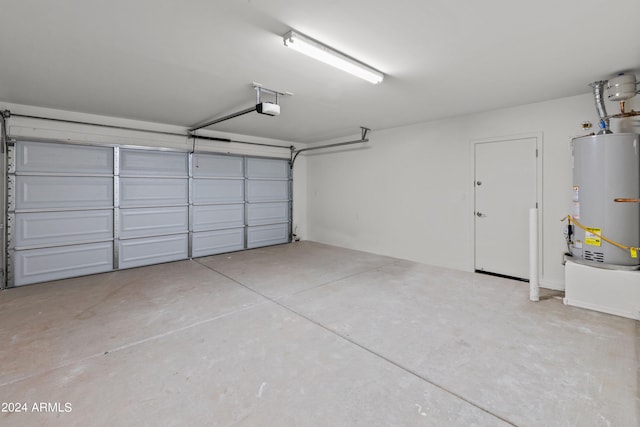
(309, 335)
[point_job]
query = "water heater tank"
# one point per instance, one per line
(606, 167)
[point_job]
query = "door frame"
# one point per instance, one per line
(539, 186)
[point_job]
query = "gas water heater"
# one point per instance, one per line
(606, 167)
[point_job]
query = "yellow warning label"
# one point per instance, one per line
(592, 236)
(634, 252)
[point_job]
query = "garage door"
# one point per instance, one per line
(152, 207)
(267, 201)
(239, 202)
(75, 210)
(218, 204)
(60, 220)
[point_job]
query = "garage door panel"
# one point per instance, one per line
(45, 264)
(153, 250)
(263, 191)
(266, 235)
(63, 192)
(153, 221)
(139, 192)
(267, 213)
(153, 163)
(216, 217)
(267, 168)
(207, 165)
(42, 157)
(76, 210)
(216, 242)
(218, 191)
(59, 228)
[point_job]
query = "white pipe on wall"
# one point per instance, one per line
(534, 287)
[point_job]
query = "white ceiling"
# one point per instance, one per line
(183, 62)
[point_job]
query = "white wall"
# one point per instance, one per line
(408, 192)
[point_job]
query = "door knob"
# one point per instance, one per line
(480, 215)
(478, 182)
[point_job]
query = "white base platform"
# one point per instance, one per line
(608, 291)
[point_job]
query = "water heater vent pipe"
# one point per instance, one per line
(598, 94)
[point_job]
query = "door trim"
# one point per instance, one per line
(539, 186)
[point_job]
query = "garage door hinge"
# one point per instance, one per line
(536, 152)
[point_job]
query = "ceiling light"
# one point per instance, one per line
(324, 53)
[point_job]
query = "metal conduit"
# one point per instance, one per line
(362, 139)
(260, 144)
(6, 114)
(77, 122)
(3, 141)
(3, 202)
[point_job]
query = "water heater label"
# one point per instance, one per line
(575, 199)
(592, 239)
(575, 210)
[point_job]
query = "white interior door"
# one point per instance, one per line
(505, 190)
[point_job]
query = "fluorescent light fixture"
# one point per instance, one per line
(324, 53)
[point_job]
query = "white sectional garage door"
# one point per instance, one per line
(218, 204)
(152, 208)
(60, 211)
(267, 202)
(75, 210)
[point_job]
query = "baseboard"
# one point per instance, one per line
(603, 309)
